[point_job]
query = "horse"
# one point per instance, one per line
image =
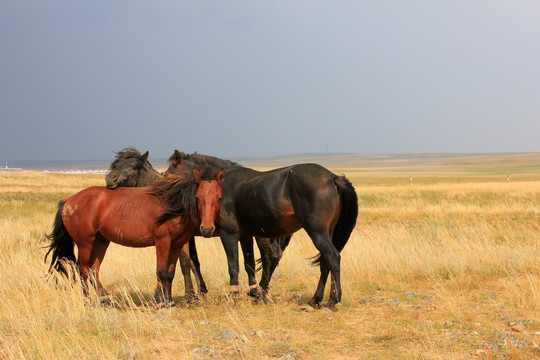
(279, 202)
(165, 215)
(130, 168)
(271, 250)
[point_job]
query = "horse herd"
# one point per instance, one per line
(200, 195)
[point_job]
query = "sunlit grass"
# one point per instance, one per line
(470, 247)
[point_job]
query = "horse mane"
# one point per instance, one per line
(205, 162)
(128, 153)
(178, 192)
(148, 174)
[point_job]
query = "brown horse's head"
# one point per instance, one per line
(208, 200)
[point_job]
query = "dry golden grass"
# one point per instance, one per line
(444, 269)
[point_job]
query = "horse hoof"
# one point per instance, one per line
(264, 297)
(106, 301)
(313, 304)
(331, 306)
(165, 305)
(190, 299)
(234, 290)
(254, 292)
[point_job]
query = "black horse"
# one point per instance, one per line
(130, 168)
(271, 250)
(277, 203)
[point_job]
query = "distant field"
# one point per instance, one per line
(388, 163)
(448, 268)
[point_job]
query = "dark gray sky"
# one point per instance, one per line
(82, 79)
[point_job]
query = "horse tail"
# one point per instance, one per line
(61, 246)
(347, 218)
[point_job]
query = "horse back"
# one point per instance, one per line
(126, 216)
(279, 202)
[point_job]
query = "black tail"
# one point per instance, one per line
(347, 218)
(61, 245)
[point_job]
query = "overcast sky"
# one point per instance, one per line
(83, 79)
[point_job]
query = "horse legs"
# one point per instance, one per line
(83, 258)
(164, 276)
(185, 266)
(329, 262)
(319, 293)
(171, 268)
(96, 259)
(246, 242)
(196, 266)
(230, 244)
(265, 248)
(271, 251)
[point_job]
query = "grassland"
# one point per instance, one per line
(448, 268)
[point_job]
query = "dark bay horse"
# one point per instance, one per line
(271, 250)
(277, 203)
(130, 168)
(165, 215)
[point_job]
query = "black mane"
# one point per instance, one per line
(129, 153)
(178, 192)
(210, 165)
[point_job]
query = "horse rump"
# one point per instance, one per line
(347, 218)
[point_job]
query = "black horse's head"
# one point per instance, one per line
(177, 161)
(125, 170)
(180, 160)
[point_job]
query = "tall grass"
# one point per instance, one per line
(472, 247)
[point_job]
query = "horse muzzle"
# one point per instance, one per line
(112, 181)
(207, 231)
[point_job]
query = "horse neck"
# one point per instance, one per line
(148, 176)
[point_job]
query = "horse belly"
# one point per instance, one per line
(128, 234)
(284, 226)
(272, 225)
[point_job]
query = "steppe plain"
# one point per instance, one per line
(445, 268)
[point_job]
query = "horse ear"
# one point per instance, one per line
(198, 176)
(144, 157)
(220, 176)
(180, 156)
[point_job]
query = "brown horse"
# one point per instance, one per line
(165, 215)
(130, 168)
